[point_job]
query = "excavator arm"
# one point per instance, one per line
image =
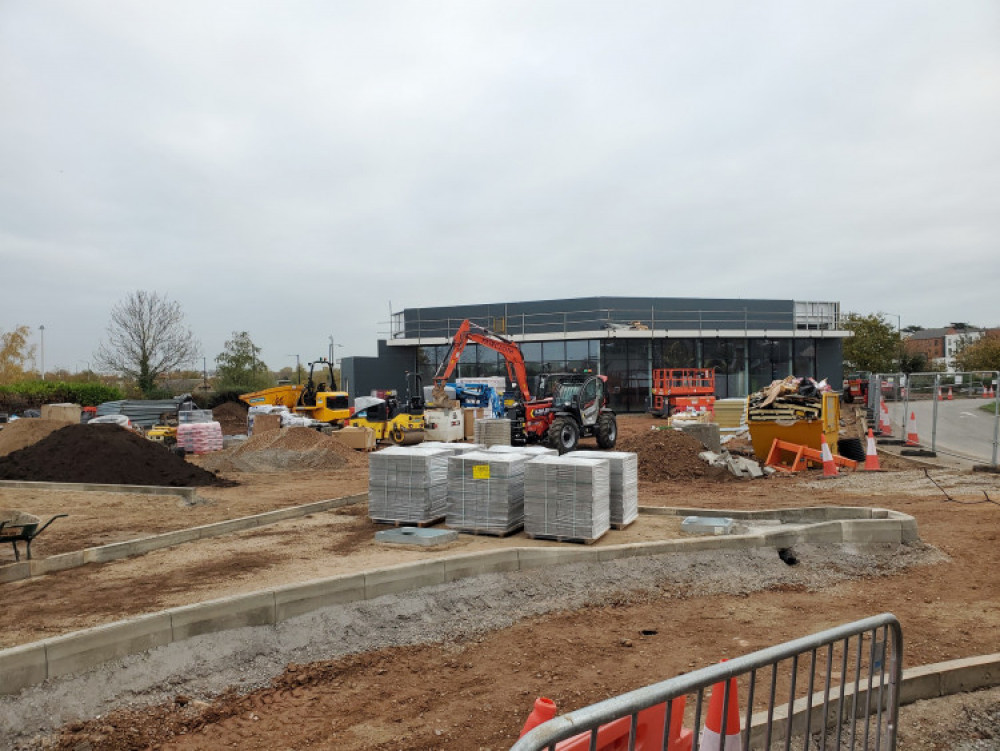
(516, 371)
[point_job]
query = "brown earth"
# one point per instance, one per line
(475, 693)
(232, 418)
(102, 454)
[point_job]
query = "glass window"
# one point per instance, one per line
(532, 351)
(805, 358)
(675, 353)
(770, 360)
(554, 355)
(577, 350)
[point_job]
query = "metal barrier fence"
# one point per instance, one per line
(837, 689)
(956, 414)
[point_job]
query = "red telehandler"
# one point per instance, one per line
(568, 406)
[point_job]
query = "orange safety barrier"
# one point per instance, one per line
(614, 736)
(802, 457)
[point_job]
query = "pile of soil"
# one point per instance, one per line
(285, 449)
(102, 454)
(669, 455)
(232, 416)
(25, 432)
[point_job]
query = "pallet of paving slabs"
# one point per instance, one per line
(624, 484)
(530, 451)
(567, 499)
(492, 431)
(486, 492)
(408, 485)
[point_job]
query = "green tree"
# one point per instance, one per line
(15, 352)
(874, 346)
(981, 354)
(239, 367)
(146, 338)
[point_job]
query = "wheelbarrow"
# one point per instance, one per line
(23, 527)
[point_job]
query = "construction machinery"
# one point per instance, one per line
(569, 406)
(682, 389)
(401, 424)
(319, 401)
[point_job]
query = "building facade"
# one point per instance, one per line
(941, 345)
(749, 343)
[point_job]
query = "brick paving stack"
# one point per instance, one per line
(486, 492)
(408, 485)
(567, 499)
(624, 484)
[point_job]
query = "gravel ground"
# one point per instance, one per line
(249, 658)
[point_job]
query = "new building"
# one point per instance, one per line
(749, 343)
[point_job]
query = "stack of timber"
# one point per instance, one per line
(730, 414)
(790, 399)
(408, 485)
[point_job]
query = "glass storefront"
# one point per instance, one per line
(742, 365)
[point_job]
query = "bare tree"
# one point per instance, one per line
(146, 338)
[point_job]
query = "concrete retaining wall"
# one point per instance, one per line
(26, 665)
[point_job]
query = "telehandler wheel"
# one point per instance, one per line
(563, 435)
(607, 431)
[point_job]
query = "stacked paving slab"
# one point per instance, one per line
(486, 492)
(624, 484)
(529, 451)
(567, 498)
(408, 484)
(492, 431)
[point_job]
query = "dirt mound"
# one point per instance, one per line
(232, 416)
(669, 455)
(102, 454)
(25, 432)
(285, 449)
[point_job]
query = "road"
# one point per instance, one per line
(962, 428)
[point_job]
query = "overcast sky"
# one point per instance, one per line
(292, 169)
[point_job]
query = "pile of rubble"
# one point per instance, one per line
(790, 399)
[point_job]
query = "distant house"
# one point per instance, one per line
(940, 345)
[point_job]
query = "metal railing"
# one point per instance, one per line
(524, 324)
(837, 689)
(955, 414)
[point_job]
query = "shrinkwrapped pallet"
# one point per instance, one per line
(624, 484)
(452, 448)
(567, 498)
(530, 451)
(408, 484)
(492, 431)
(486, 492)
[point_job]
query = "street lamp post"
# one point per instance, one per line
(42, 330)
(298, 369)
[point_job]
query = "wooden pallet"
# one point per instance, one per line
(620, 525)
(562, 538)
(489, 532)
(396, 523)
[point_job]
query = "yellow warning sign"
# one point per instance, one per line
(480, 471)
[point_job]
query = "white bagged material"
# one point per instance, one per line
(624, 488)
(408, 484)
(567, 497)
(486, 492)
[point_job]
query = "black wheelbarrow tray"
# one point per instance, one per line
(23, 527)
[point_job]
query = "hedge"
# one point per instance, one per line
(18, 397)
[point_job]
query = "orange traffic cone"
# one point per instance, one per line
(911, 434)
(713, 737)
(545, 710)
(951, 396)
(829, 468)
(940, 395)
(871, 454)
(884, 426)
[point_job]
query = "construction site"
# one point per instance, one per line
(426, 574)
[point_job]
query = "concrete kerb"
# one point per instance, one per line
(81, 650)
(128, 548)
(189, 494)
(919, 683)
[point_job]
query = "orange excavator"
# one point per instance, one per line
(569, 406)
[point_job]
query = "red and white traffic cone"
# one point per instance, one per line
(712, 737)
(951, 396)
(871, 454)
(912, 439)
(884, 426)
(829, 468)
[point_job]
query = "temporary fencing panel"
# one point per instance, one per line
(835, 689)
(955, 414)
